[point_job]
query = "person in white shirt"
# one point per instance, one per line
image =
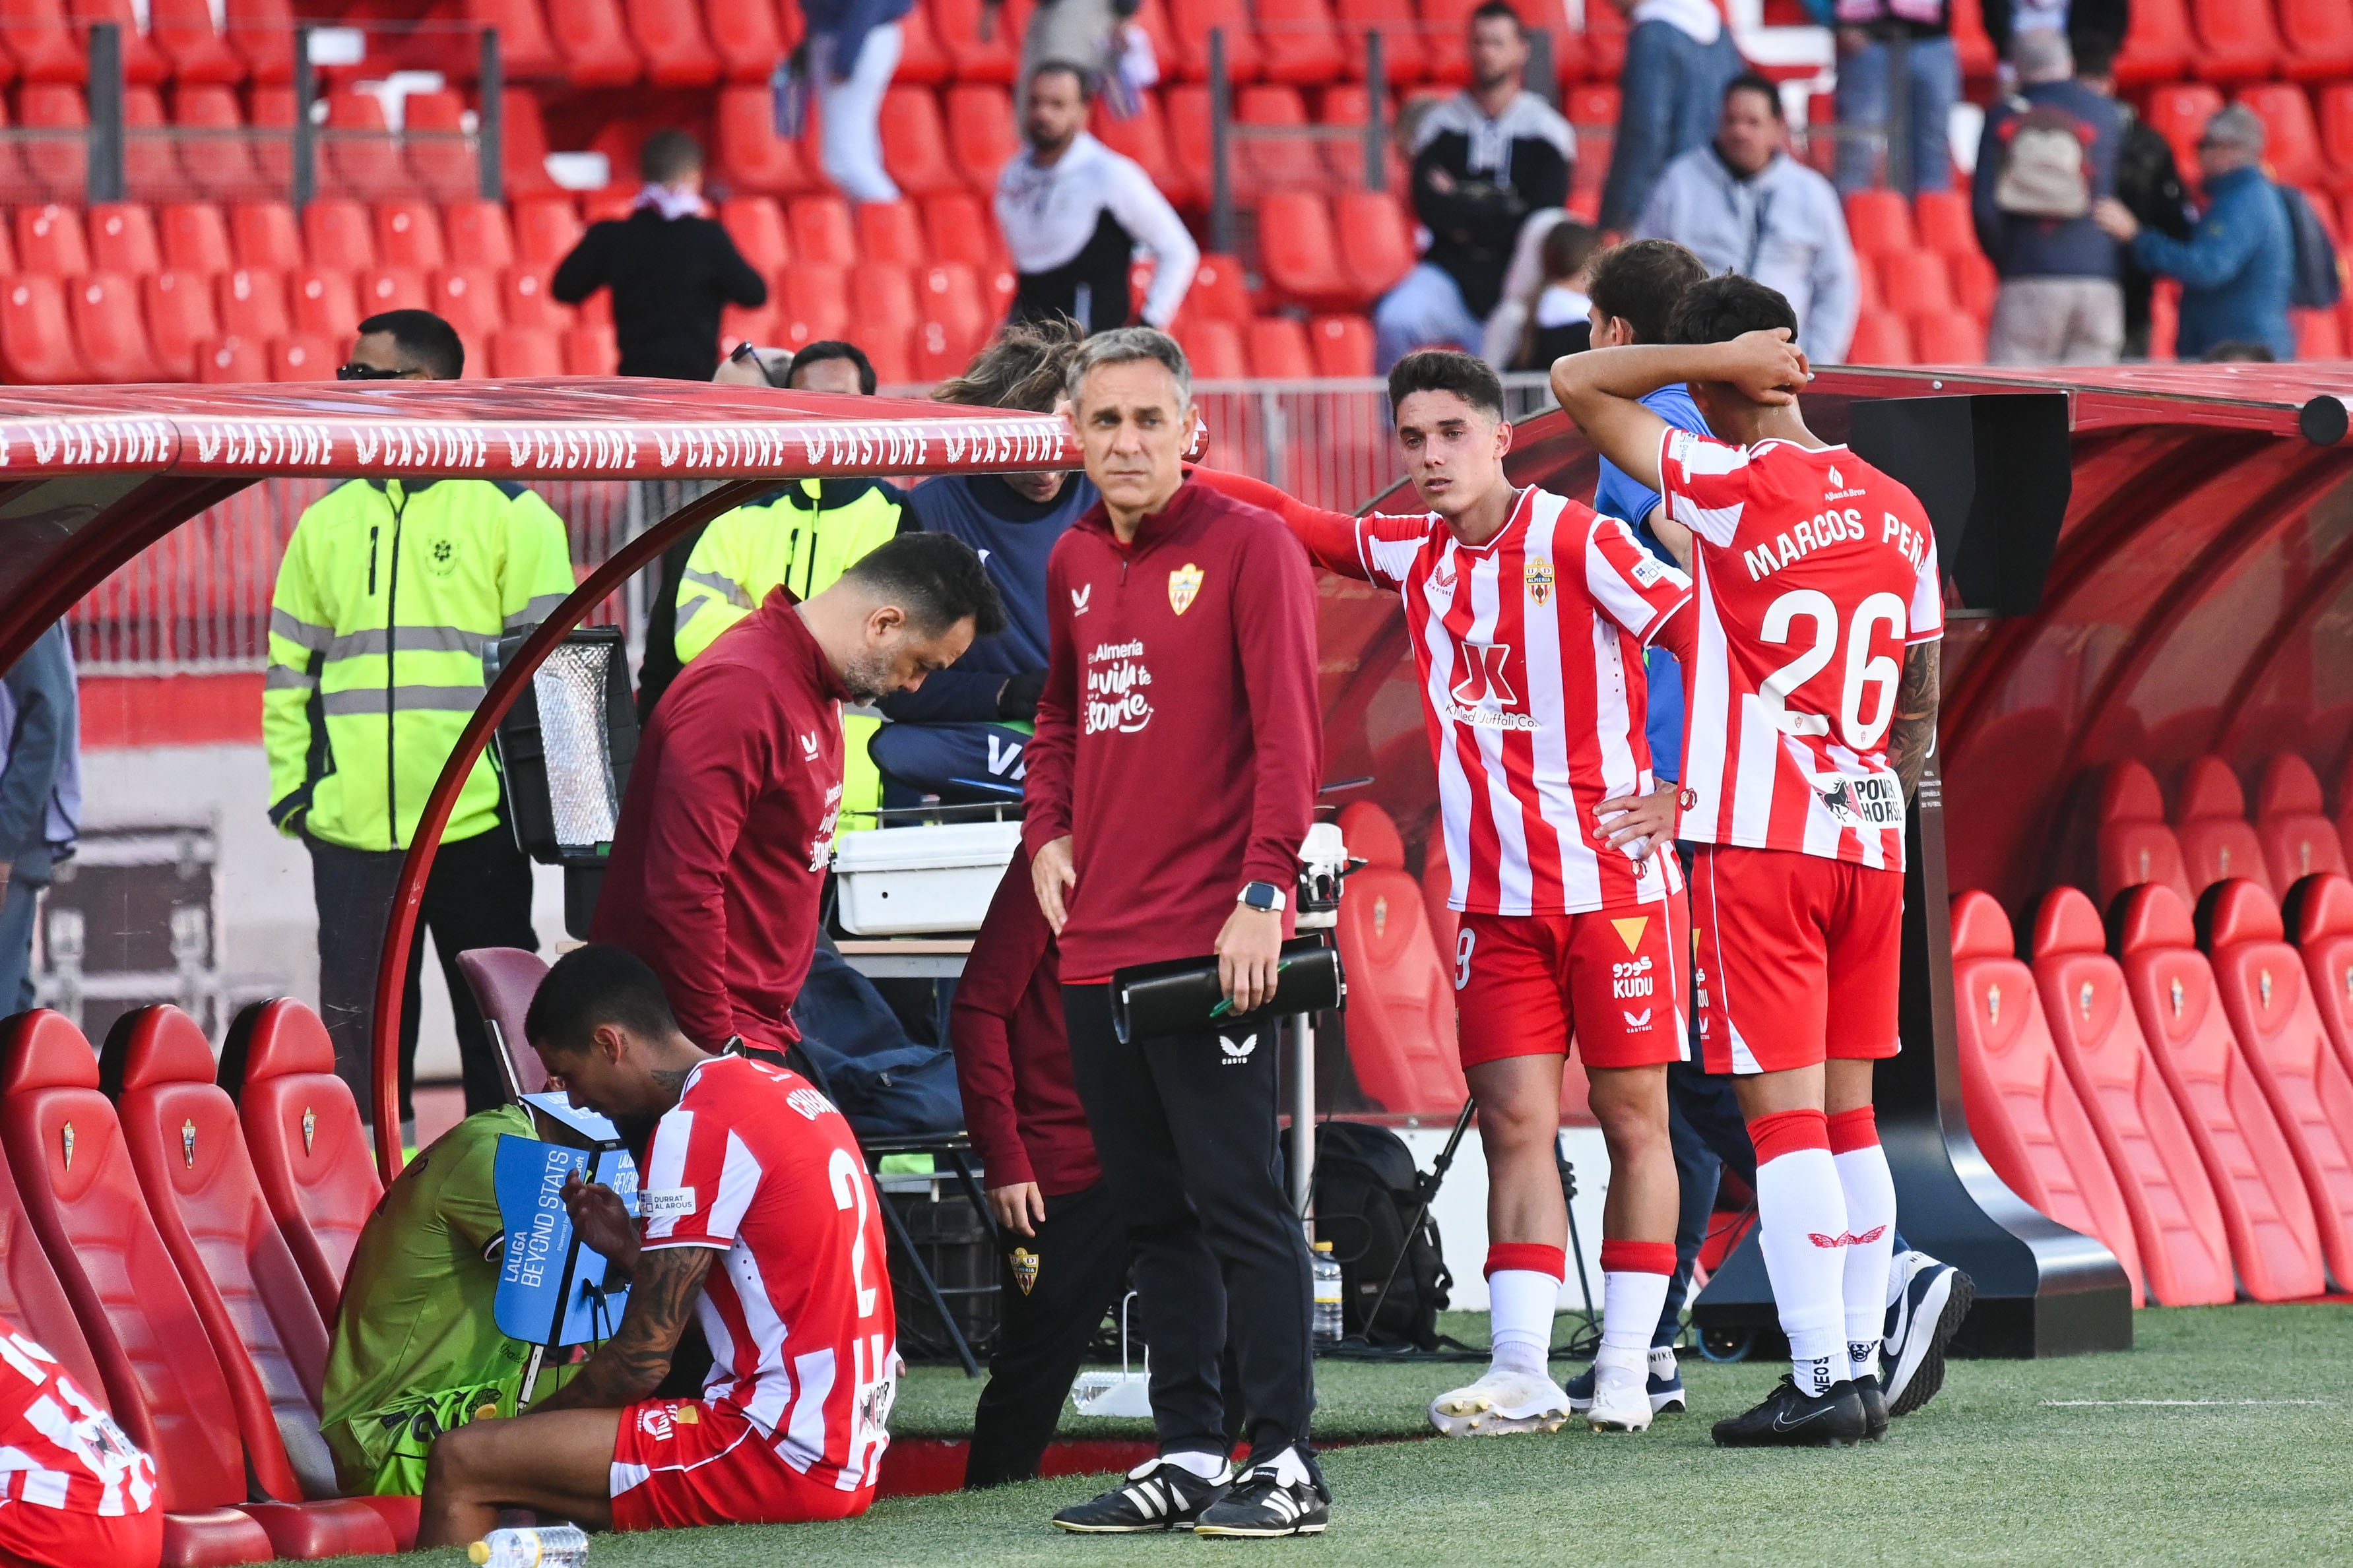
(1073, 214)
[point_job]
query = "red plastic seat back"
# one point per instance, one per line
(2135, 845)
(107, 326)
(37, 347)
(30, 1296)
(195, 239)
(1343, 345)
(1400, 999)
(981, 133)
(408, 234)
(2256, 1184)
(1279, 349)
(2298, 839)
(2269, 1003)
(185, 1143)
(915, 144)
(2184, 1250)
(504, 981)
(304, 1131)
(2217, 840)
(74, 1173)
(49, 241)
(2022, 1105)
(2239, 40)
(122, 239)
(2319, 914)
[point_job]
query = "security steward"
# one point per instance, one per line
(800, 536)
(389, 593)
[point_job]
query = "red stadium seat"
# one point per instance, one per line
(2185, 1252)
(1405, 56)
(1380, 240)
(263, 32)
(1343, 105)
(218, 164)
(1343, 345)
(981, 133)
(2297, 837)
(142, 63)
(1880, 338)
(590, 351)
(303, 357)
(522, 152)
(2238, 40)
(432, 128)
(1971, 42)
(526, 303)
(915, 144)
(1605, 42)
(2022, 1107)
(2292, 138)
(408, 234)
(232, 359)
(958, 227)
(326, 304)
(36, 36)
(336, 233)
(1974, 284)
(180, 321)
(1913, 283)
(921, 61)
(1186, 112)
(1275, 165)
(1143, 136)
(1401, 1001)
(2317, 335)
(546, 230)
(122, 239)
(1300, 254)
(250, 303)
(753, 159)
(195, 48)
(953, 318)
(1279, 349)
(2319, 914)
(2158, 44)
(194, 237)
(595, 42)
(1300, 41)
(746, 38)
(107, 327)
(50, 242)
(390, 289)
(1445, 29)
(149, 167)
(1189, 26)
(2210, 820)
(822, 230)
(477, 231)
(757, 225)
(1217, 294)
(1214, 349)
(890, 233)
(1942, 221)
(2265, 1209)
(882, 303)
(812, 302)
(37, 347)
(527, 50)
(265, 235)
(1949, 337)
(2178, 112)
(518, 352)
(1880, 223)
(2135, 845)
(2267, 997)
(2318, 39)
(669, 36)
(359, 150)
(467, 298)
(956, 24)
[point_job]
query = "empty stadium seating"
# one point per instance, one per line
(2135, 843)
(2297, 837)
(2022, 1107)
(2265, 1209)
(2210, 820)
(1401, 1001)
(2268, 999)
(2185, 1252)
(306, 1138)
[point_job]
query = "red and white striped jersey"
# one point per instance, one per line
(1815, 572)
(1530, 651)
(57, 1450)
(755, 1162)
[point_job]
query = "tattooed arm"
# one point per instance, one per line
(1914, 734)
(665, 1284)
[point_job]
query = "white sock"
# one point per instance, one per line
(1797, 1199)
(1634, 1279)
(1208, 1466)
(1870, 1192)
(1520, 1304)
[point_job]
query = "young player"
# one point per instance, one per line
(757, 1214)
(1812, 707)
(73, 1489)
(1530, 615)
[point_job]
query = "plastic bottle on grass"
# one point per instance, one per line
(1328, 1324)
(549, 1546)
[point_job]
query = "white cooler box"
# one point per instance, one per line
(909, 881)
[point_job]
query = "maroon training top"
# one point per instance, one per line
(727, 828)
(1012, 1055)
(1180, 740)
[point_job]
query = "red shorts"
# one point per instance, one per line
(54, 1538)
(680, 1462)
(1798, 959)
(1619, 980)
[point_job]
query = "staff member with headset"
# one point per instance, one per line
(1171, 782)
(389, 593)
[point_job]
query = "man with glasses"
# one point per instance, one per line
(389, 593)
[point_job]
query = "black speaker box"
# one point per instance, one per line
(1994, 473)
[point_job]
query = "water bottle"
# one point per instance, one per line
(549, 1546)
(1328, 1324)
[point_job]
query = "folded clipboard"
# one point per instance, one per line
(1182, 996)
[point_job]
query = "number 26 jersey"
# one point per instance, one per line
(1814, 572)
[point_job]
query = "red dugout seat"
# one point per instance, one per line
(2268, 999)
(37, 347)
(263, 32)
(2021, 1104)
(1941, 220)
(959, 230)
(527, 48)
(2185, 1252)
(1214, 349)
(2217, 840)
(2178, 112)
(231, 358)
(1279, 349)
(528, 305)
(302, 357)
(1401, 1006)
(2265, 1210)
(1275, 165)
(922, 60)
(590, 350)
(150, 165)
(2319, 914)
(1880, 338)
(304, 1137)
(180, 321)
(1949, 337)
(522, 152)
(38, 39)
(2135, 845)
(1880, 223)
(383, 288)
(954, 318)
(467, 298)
(107, 328)
(526, 352)
(1915, 283)
(812, 302)
(1379, 251)
(2298, 839)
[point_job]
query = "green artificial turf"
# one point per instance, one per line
(2016, 1462)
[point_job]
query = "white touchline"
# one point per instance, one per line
(2087, 1403)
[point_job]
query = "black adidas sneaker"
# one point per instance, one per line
(1789, 1419)
(1284, 1496)
(1157, 1494)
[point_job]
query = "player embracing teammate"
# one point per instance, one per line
(1812, 690)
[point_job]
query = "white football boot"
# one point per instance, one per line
(1502, 1403)
(1621, 1393)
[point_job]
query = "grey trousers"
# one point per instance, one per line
(2057, 320)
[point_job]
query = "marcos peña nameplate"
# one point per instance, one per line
(1182, 996)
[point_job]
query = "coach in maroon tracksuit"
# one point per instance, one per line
(1171, 782)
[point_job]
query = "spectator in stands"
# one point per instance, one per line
(965, 735)
(2236, 269)
(1869, 33)
(2147, 182)
(1678, 59)
(670, 265)
(1559, 322)
(1096, 36)
(1743, 205)
(2048, 153)
(41, 796)
(2093, 26)
(852, 54)
(365, 698)
(1483, 162)
(1073, 211)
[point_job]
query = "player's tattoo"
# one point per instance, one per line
(629, 1366)
(1914, 732)
(673, 1079)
